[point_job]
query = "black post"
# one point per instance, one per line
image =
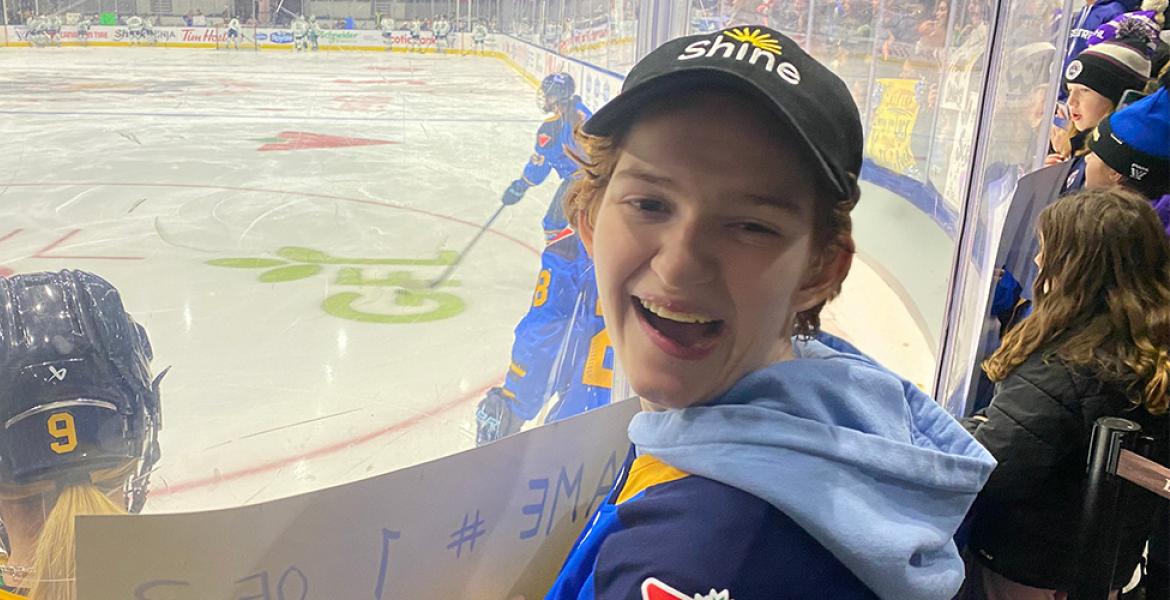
(1098, 535)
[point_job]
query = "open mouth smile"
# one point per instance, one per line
(683, 335)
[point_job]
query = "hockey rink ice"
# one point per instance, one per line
(272, 219)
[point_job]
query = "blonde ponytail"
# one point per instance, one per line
(53, 569)
(55, 565)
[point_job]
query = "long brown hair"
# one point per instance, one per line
(1102, 297)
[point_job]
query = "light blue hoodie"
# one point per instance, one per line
(861, 459)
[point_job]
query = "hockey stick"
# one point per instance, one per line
(451, 268)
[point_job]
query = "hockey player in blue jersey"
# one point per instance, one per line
(553, 141)
(561, 348)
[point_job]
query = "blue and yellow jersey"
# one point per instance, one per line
(8, 594)
(664, 534)
(553, 139)
(561, 345)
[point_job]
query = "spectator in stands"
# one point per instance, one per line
(189, 19)
(199, 20)
(933, 31)
(1097, 80)
(1131, 148)
(1092, 15)
(1097, 344)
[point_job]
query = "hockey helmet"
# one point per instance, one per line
(557, 88)
(76, 391)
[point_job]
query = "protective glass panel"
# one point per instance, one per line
(916, 71)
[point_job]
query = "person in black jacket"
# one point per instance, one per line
(1097, 344)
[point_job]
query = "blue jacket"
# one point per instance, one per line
(825, 476)
(552, 139)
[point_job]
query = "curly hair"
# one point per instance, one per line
(1102, 297)
(832, 221)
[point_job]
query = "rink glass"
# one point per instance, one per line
(273, 218)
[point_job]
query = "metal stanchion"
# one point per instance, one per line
(1097, 538)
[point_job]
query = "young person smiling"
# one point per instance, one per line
(715, 201)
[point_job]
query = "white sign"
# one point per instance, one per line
(489, 523)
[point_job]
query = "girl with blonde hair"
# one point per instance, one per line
(79, 421)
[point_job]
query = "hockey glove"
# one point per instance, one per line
(494, 418)
(514, 192)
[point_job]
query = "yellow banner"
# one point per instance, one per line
(893, 122)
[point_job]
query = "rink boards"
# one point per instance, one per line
(595, 85)
(264, 38)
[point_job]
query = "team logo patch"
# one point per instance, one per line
(757, 38)
(1138, 172)
(542, 140)
(652, 589)
(1074, 69)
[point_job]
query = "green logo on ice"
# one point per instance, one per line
(391, 297)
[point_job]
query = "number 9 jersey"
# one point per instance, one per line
(561, 347)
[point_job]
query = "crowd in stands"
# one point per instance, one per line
(1092, 336)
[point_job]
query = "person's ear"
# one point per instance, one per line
(825, 274)
(585, 231)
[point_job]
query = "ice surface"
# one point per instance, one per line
(144, 165)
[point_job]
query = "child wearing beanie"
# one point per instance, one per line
(1131, 148)
(1097, 80)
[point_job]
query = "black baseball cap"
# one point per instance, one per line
(765, 63)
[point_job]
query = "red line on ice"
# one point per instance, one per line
(400, 426)
(11, 235)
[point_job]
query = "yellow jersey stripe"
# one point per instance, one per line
(10, 596)
(647, 472)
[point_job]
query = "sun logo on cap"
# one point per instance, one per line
(757, 38)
